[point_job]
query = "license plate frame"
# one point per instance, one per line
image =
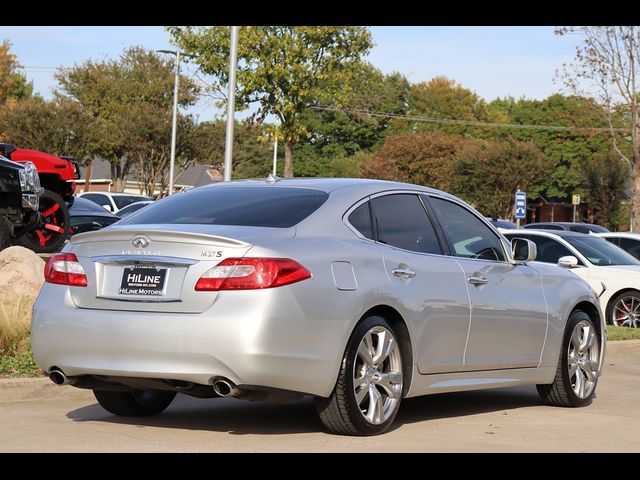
(144, 280)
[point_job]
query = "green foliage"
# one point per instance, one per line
(19, 365)
(13, 84)
(281, 68)
(605, 179)
(486, 174)
(622, 333)
(422, 159)
(130, 102)
(60, 126)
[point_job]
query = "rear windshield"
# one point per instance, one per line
(122, 201)
(279, 207)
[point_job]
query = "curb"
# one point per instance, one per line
(41, 388)
(38, 389)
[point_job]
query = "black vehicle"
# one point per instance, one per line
(500, 223)
(87, 216)
(19, 199)
(568, 226)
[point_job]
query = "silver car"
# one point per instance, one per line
(357, 292)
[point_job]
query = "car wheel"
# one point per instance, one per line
(624, 310)
(50, 234)
(141, 403)
(577, 373)
(367, 395)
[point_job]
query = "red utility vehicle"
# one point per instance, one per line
(57, 177)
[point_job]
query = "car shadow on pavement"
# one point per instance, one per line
(240, 417)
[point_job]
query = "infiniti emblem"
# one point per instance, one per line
(140, 242)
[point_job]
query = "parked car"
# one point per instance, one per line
(87, 216)
(57, 176)
(19, 199)
(357, 292)
(612, 272)
(113, 202)
(568, 226)
(133, 207)
(500, 223)
(628, 241)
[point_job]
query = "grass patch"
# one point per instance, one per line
(16, 359)
(622, 333)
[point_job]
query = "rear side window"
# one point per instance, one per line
(122, 201)
(403, 222)
(630, 246)
(360, 219)
(98, 198)
(279, 207)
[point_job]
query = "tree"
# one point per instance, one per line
(59, 126)
(488, 173)
(13, 84)
(281, 68)
(607, 63)
(338, 135)
(113, 92)
(605, 179)
(422, 159)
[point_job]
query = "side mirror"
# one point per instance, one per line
(108, 208)
(568, 261)
(523, 250)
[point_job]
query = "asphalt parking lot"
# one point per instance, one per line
(45, 418)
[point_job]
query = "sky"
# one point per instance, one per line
(492, 61)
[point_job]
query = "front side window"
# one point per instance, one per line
(402, 222)
(600, 252)
(549, 250)
(468, 236)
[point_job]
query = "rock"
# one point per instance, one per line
(21, 272)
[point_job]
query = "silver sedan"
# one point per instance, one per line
(357, 292)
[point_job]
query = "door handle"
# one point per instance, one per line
(404, 273)
(477, 280)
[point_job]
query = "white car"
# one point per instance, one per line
(114, 202)
(629, 242)
(611, 272)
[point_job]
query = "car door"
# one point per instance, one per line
(428, 284)
(508, 308)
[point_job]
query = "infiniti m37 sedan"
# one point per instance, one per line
(359, 293)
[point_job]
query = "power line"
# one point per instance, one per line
(470, 123)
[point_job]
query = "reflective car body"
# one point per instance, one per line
(87, 216)
(567, 226)
(474, 318)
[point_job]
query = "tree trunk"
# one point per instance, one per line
(288, 160)
(87, 174)
(635, 199)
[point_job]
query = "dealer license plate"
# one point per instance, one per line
(145, 280)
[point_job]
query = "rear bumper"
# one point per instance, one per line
(261, 338)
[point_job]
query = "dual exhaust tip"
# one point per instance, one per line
(222, 386)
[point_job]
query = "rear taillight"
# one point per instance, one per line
(252, 273)
(64, 269)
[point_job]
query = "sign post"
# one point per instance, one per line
(521, 206)
(575, 201)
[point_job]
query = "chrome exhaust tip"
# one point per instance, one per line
(225, 388)
(58, 377)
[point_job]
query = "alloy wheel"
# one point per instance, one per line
(583, 359)
(626, 312)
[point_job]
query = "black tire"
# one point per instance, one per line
(340, 413)
(634, 321)
(141, 403)
(5, 233)
(560, 393)
(55, 212)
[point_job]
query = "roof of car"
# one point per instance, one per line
(547, 233)
(620, 234)
(82, 206)
(328, 184)
(564, 224)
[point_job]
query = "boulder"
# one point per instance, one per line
(21, 272)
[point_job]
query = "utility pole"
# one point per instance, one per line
(174, 124)
(231, 104)
(275, 156)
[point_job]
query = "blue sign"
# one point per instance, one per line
(521, 204)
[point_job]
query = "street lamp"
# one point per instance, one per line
(175, 116)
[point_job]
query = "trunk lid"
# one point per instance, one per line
(155, 268)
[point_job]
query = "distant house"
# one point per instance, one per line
(194, 176)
